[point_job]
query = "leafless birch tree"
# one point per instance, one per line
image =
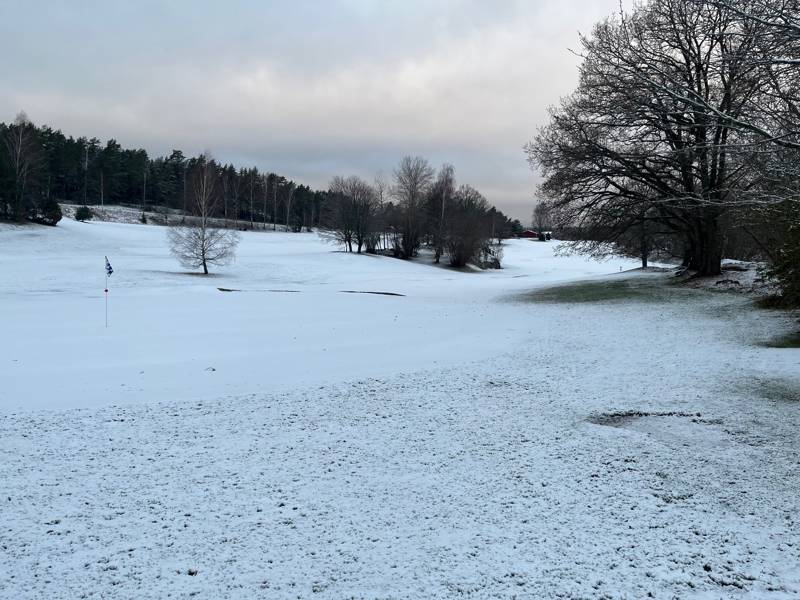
(24, 158)
(198, 243)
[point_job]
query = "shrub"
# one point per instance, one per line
(84, 213)
(51, 212)
(46, 213)
(467, 231)
(786, 267)
(492, 256)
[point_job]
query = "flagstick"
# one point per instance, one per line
(106, 291)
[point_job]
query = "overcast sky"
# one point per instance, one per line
(308, 89)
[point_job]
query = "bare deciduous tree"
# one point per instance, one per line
(380, 236)
(24, 158)
(441, 195)
(353, 217)
(289, 198)
(197, 243)
(541, 217)
(412, 179)
(669, 112)
(265, 180)
(468, 226)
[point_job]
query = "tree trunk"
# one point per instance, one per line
(705, 249)
(645, 251)
(688, 253)
(205, 267)
(710, 258)
(275, 205)
(266, 194)
(19, 207)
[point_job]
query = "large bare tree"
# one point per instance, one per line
(355, 205)
(468, 229)
(412, 180)
(441, 196)
(668, 113)
(540, 218)
(198, 243)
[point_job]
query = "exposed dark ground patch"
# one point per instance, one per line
(645, 289)
(622, 418)
(773, 390)
(221, 289)
(375, 293)
(790, 340)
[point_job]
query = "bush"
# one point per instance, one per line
(84, 213)
(786, 267)
(47, 213)
(467, 232)
(51, 213)
(492, 256)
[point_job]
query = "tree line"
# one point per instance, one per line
(40, 166)
(683, 135)
(419, 208)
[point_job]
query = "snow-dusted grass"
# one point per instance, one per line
(174, 335)
(646, 287)
(450, 442)
(789, 340)
(774, 389)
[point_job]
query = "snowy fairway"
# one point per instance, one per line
(448, 442)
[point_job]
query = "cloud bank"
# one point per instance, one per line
(308, 89)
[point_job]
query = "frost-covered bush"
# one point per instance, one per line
(48, 212)
(84, 213)
(785, 266)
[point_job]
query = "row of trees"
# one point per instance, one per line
(21, 156)
(683, 134)
(40, 166)
(419, 208)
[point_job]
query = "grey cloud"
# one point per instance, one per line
(308, 89)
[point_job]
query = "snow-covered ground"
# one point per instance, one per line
(174, 335)
(290, 440)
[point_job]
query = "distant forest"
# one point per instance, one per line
(41, 165)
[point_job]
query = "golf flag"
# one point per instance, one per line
(109, 271)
